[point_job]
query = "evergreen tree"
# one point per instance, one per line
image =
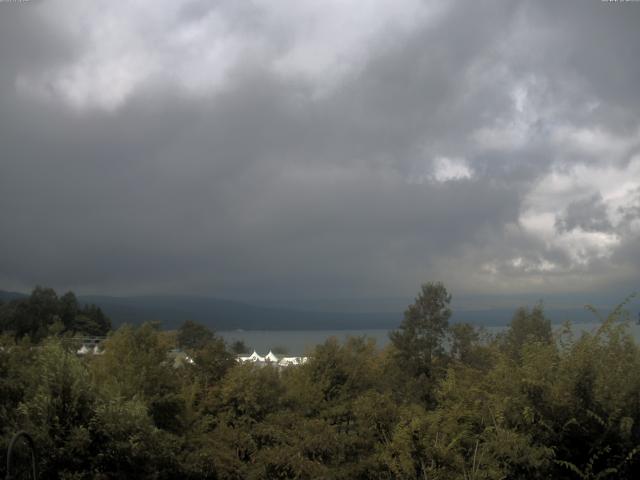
(419, 340)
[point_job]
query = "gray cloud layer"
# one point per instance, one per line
(282, 149)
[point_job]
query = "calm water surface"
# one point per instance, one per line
(298, 342)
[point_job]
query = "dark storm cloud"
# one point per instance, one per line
(232, 148)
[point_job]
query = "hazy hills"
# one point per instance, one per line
(329, 314)
(171, 311)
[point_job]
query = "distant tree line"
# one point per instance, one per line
(43, 313)
(440, 401)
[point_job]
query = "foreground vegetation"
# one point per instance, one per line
(441, 402)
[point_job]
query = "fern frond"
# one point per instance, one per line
(571, 467)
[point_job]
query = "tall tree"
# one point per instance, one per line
(418, 340)
(69, 310)
(527, 326)
(193, 335)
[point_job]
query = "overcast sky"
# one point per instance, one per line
(309, 149)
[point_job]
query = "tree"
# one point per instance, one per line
(212, 361)
(98, 323)
(470, 345)
(239, 347)
(43, 313)
(32, 316)
(57, 410)
(527, 326)
(69, 310)
(193, 335)
(420, 335)
(135, 364)
(248, 393)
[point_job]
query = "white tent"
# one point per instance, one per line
(286, 361)
(84, 350)
(256, 358)
(270, 357)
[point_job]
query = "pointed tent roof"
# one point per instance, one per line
(270, 357)
(84, 350)
(254, 357)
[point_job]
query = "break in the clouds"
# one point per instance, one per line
(314, 149)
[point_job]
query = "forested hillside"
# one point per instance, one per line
(441, 401)
(172, 310)
(43, 313)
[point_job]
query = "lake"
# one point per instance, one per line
(298, 342)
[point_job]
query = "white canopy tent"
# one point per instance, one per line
(270, 357)
(254, 357)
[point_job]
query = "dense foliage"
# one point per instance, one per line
(43, 313)
(441, 401)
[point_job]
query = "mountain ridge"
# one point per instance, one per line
(224, 314)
